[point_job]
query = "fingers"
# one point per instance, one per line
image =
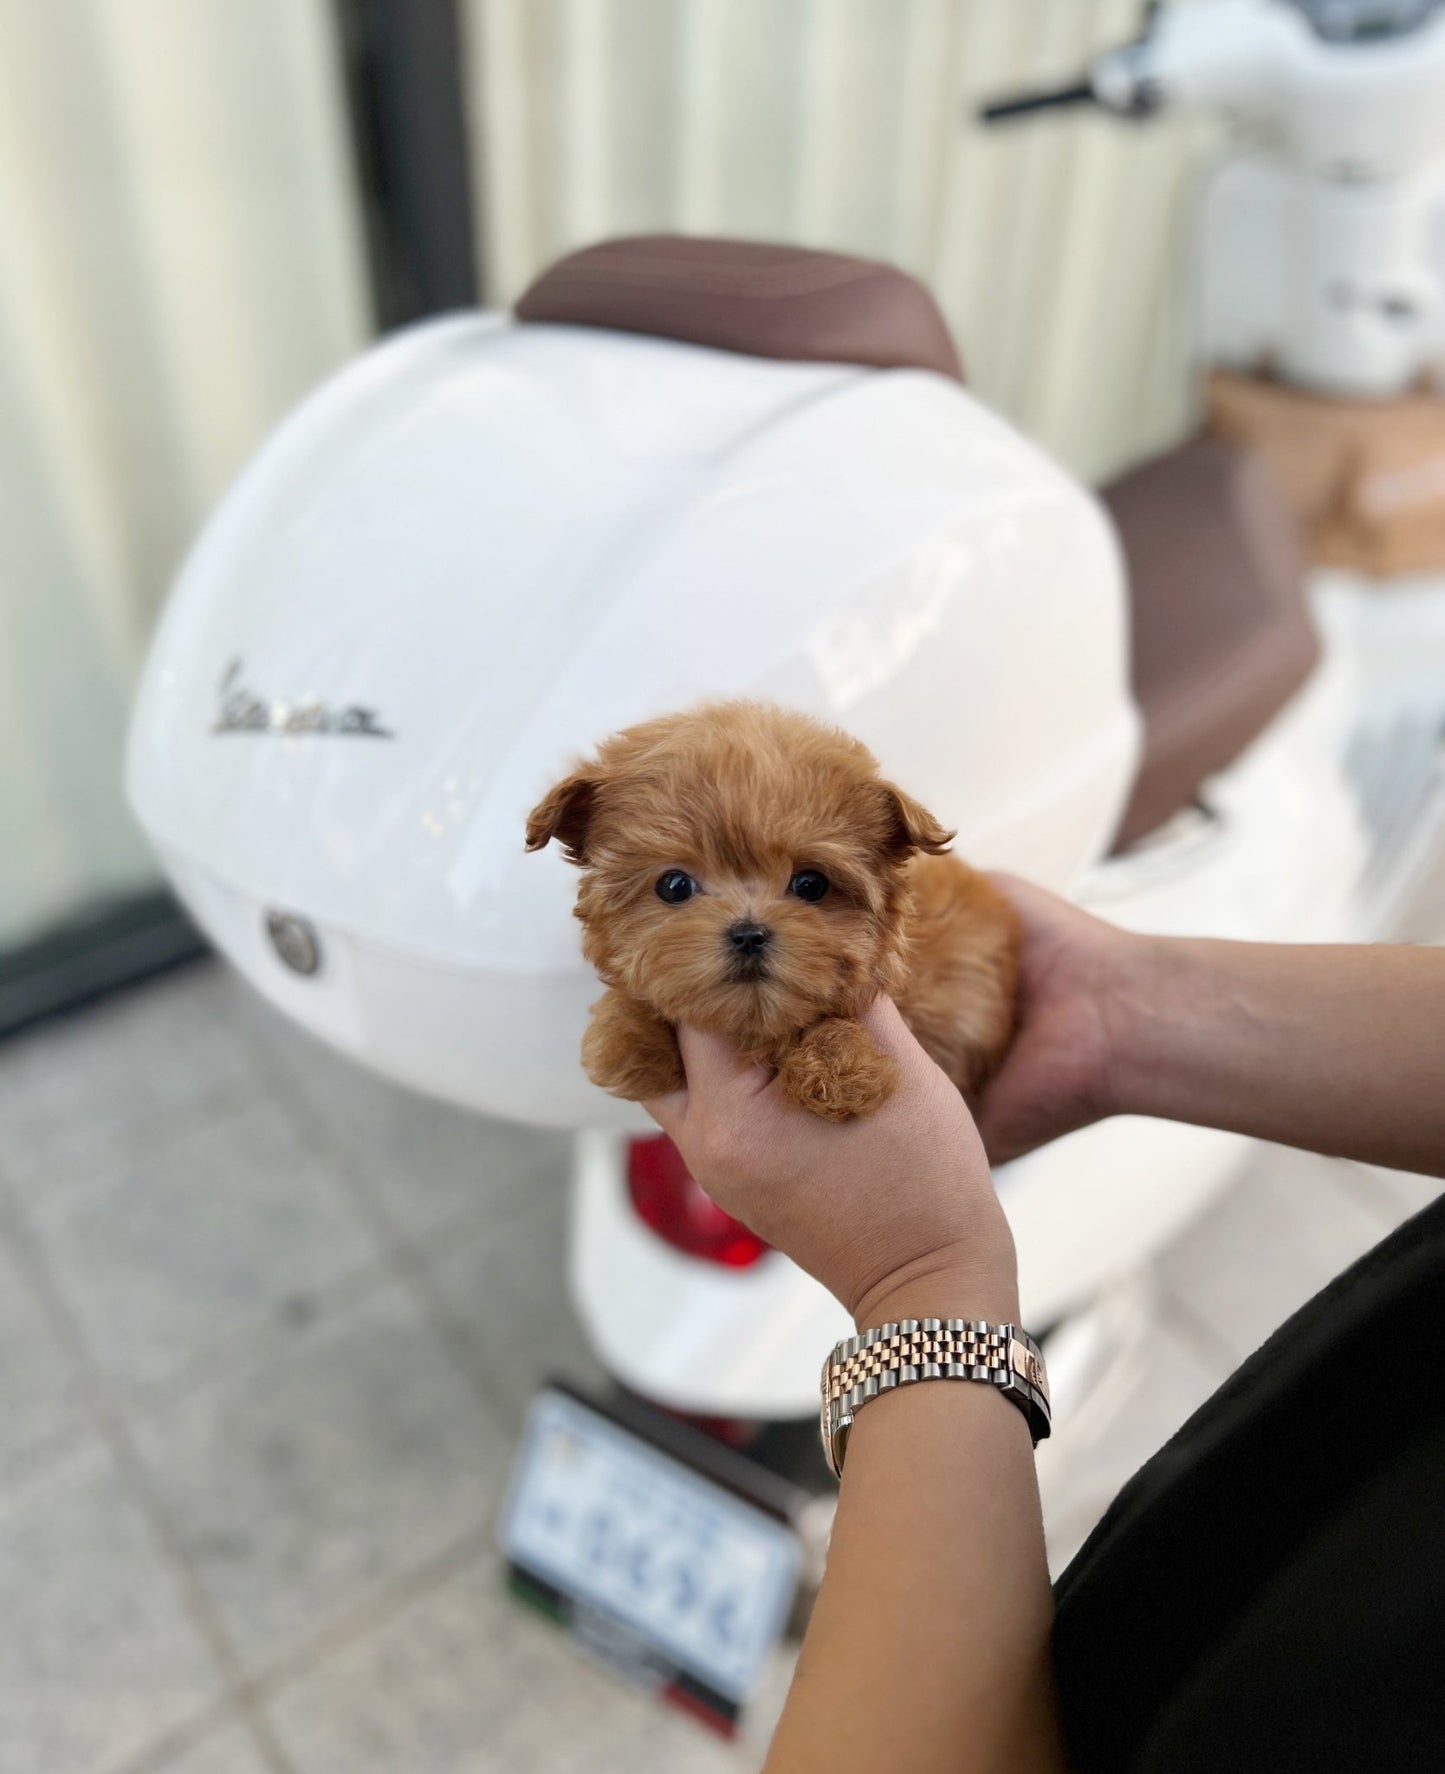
(1031, 902)
(1009, 883)
(923, 1082)
(1043, 913)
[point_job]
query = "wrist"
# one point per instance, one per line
(1134, 1003)
(944, 1285)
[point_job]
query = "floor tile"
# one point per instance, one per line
(427, 1164)
(218, 1223)
(229, 1749)
(75, 1086)
(1287, 1227)
(505, 1291)
(40, 1391)
(98, 1658)
(303, 1486)
(464, 1681)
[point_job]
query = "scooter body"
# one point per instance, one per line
(488, 544)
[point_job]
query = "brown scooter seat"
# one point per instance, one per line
(1222, 632)
(736, 295)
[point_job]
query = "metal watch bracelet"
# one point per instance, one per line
(893, 1355)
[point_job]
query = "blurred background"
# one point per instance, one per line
(269, 1326)
(187, 250)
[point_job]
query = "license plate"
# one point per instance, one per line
(652, 1564)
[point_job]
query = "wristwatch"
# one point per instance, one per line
(893, 1355)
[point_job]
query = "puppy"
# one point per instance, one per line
(746, 870)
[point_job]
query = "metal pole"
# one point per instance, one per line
(402, 62)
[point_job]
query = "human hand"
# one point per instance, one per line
(894, 1212)
(1079, 979)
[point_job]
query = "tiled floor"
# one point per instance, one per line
(267, 1329)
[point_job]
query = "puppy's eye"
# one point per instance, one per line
(810, 885)
(675, 886)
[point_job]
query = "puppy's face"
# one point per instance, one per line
(743, 868)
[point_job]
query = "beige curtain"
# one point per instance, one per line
(179, 260)
(1056, 246)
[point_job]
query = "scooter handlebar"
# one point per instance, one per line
(1025, 104)
(1121, 82)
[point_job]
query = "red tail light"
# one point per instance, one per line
(666, 1198)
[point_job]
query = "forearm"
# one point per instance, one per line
(928, 1649)
(1338, 1049)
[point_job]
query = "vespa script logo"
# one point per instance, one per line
(243, 711)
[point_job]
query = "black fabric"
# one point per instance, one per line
(1269, 1590)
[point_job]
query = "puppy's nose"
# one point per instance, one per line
(749, 939)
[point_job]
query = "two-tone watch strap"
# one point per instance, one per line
(892, 1355)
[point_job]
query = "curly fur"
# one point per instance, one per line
(742, 795)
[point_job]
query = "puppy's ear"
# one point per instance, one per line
(565, 813)
(911, 827)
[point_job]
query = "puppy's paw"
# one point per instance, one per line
(835, 1071)
(629, 1051)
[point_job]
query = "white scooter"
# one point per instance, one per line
(697, 468)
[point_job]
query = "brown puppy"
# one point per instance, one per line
(746, 870)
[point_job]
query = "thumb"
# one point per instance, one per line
(891, 1035)
(713, 1069)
